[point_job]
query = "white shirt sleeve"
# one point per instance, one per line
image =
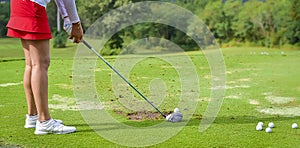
(61, 7)
(71, 9)
(41, 2)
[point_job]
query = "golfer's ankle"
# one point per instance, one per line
(32, 112)
(43, 118)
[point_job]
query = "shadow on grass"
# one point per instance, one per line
(243, 120)
(92, 127)
(11, 59)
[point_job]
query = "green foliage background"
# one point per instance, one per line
(268, 23)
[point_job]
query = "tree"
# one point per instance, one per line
(4, 17)
(293, 30)
(249, 26)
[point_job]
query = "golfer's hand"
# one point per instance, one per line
(76, 33)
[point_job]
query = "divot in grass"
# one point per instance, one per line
(253, 102)
(239, 81)
(238, 70)
(229, 72)
(64, 103)
(287, 111)
(244, 80)
(230, 87)
(207, 77)
(65, 86)
(267, 93)
(279, 100)
(204, 99)
(141, 115)
(10, 84)
(232, 97)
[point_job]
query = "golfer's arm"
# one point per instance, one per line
(70, 6)
(61, 7)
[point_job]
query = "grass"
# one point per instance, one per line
(251, 78)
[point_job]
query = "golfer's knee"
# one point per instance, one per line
(28, 64)
(43, 63)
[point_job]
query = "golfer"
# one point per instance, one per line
(29, 22)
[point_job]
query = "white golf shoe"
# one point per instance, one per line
(52, 126)
(30, 121)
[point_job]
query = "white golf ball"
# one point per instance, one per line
(260, 123)
(268, 130)
(294, 125)
(259, 127)
(176, 110)
(271, 125)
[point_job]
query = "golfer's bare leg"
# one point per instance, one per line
(40, 60)
(27, 80)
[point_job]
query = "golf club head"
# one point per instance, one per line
(174, 117)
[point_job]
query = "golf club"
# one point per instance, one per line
(174, 117)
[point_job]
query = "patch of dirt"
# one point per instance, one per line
(197, 116)
(142, 115)
(148, 115)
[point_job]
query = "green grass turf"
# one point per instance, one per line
(251, 78)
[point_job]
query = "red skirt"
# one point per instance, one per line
(28, 20)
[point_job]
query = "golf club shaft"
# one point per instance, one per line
(111, 67)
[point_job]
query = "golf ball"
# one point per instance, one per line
(260, 123)
(176, 110)
(294, 125)
(271, 125)
(259, 127)
(268, 130)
